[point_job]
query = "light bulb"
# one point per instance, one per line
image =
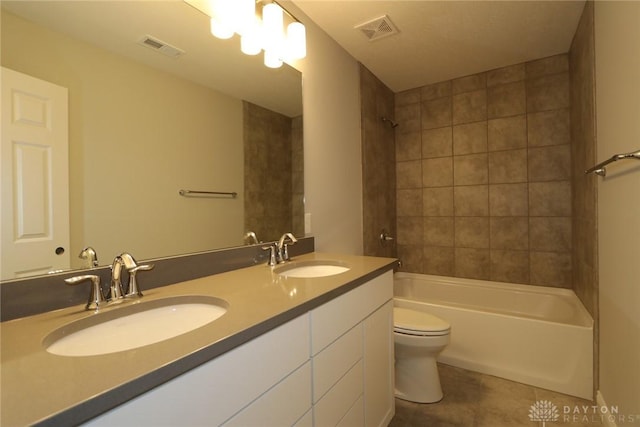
(272, 22)
(296, 41)
(220, 30)
(272, 59)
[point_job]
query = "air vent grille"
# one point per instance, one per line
(377, 28)
(160, 46)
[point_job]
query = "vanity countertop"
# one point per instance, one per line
(43, 388)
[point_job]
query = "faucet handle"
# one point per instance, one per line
(96, 298)
(272, 253)
(134, 290)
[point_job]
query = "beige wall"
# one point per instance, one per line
(332, 143)
(135, 131)
(617, 50)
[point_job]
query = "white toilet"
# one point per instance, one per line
(419, 338)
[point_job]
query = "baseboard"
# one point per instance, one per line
(606, 421)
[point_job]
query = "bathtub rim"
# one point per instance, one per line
(586, 320)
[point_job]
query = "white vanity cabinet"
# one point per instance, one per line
(352, 356)
(273, 367)
(332, 366)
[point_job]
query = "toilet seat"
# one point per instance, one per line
(412, 322)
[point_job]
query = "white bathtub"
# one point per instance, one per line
(531, 334)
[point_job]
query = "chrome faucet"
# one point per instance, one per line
(283, 247)
(129, 263)
(89, 256)
(250, 238)
(116, 290)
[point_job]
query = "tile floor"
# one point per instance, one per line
(477, 400)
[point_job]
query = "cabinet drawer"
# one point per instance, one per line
(215, 391)
(336, 403)
(334, 361)
(355, 416)
(339, 315)
(282, 405)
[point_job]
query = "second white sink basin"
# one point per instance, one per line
(134, 326)
(310, 269)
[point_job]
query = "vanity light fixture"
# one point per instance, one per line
(260, 25)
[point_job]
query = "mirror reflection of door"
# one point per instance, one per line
(35, 175)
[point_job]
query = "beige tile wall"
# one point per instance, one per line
(483, 168)
(272, 173)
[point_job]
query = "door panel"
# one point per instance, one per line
(35, 177)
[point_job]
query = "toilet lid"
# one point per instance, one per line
(417, 322)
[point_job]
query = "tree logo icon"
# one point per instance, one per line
(544, 411)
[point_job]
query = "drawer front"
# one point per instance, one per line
(336, 317)
(355, 416)
(338, 401)
(215, 391)
(282, 405)
(334, 361)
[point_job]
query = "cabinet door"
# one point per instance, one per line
(214, 392)
(336, 317)
(378, 367)
(283, 405)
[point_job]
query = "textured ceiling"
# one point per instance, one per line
(441, 40)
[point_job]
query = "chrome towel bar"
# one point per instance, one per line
(599, 169)
(189, 193)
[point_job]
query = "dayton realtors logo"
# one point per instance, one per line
(545, 411)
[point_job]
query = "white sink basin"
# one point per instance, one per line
(134, 326)
(310, 269)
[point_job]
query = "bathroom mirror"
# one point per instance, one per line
(144, 125)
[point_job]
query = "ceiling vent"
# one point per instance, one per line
(160, 46)
(377, 28)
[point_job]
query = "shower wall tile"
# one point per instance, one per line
(436, 113)
(409, 201)
(411, 256)
(438, 260)
(437, 90)
(550, 269)
(470, 169)
(512, 73)
(550, 163)
(508, 166)
(409, 116)
(509, 200)
(471, 200)
(470, 138)
(552, 234)
(437, 142)
(469, 83)
(545, 66)
(407, 97)
(506, 100)
(472, 232)
(409, 174)
(437, 172)
(437, 201)
(410, 230)
(551, 198)
(495, 176)
(509, 266)
(470, 107)
(507, 133)
(509, 233)
(408, 146)
(548, 92)
(472, 263)
(438, 231)
(548, 128)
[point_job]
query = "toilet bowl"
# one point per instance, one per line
(419, 338)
